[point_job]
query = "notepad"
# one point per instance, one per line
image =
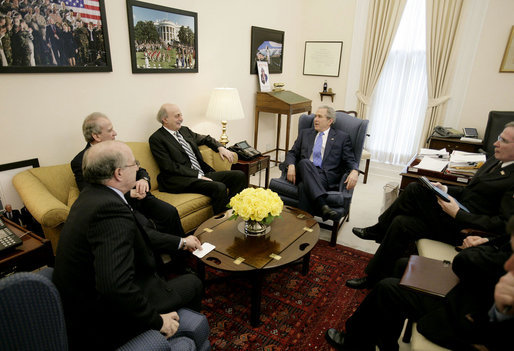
(206, 248)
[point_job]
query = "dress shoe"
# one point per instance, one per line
(328, 213)
(365, 233)
(335, 338)
(358, 283)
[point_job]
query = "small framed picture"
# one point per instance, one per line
(264, 83)
(322, 58)
(267, 46)
(162, 39)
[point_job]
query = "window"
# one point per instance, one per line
(399, 101)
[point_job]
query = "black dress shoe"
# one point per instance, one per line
(328, 213)
(335, 338)
(365, 233)
(358, 283)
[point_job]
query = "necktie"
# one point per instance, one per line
(189, 152)
(316, 151)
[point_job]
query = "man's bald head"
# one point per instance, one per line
(170, 116)
(103, 163)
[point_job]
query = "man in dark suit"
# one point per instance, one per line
(13, 215)
(97, 128)
(318, 159)
(475, 315)
(105, 265)
(418, 213)
(175, 149)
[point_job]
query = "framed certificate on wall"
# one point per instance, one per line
(322, 58)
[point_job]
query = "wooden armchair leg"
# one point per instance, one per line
(408, 332)
(366, 170)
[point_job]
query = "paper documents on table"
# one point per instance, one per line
(206, 248)
(432, 164)
(471, 140)
(434, 153)
(466, 163)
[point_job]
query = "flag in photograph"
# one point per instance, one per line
(89, 9)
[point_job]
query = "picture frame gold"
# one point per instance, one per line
(508, 57)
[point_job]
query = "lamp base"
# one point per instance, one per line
(223, 138)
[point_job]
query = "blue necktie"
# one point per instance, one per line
(316, 151)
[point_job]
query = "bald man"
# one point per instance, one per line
(183, 170)
(106, 266)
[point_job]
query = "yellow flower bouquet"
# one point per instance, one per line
(256, 204)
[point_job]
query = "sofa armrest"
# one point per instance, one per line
(45, 207)
(213, 159)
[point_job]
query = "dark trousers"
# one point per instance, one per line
(312, 184)
(414, 215)
(163, 215)
(380, 317)
(216, 189)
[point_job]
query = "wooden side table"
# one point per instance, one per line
(322, 94)
(253, 166)
(279, 102)
(34, 253)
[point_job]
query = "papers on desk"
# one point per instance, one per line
(465, 163)
(206, 248)
(471, 140)
(432, 164)
(435, 153)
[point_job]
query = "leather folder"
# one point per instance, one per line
(430, 276)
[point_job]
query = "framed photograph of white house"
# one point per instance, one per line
(267, 45)
(322, 58)
(162, 39)
(54, 36)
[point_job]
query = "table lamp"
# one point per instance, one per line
(224, 106)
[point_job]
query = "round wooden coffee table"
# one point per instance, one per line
(292, 237)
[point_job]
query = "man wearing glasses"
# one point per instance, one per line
(98, 128)
(418, 213)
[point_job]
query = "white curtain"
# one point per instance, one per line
(399, 101)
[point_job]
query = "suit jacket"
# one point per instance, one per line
(16, 216)
(338, 157)
(489, 198)
(76, 167)
(105, 271)
(174, 163)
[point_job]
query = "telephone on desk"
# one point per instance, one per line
(244, 151)
(446, 132)
(8, 239)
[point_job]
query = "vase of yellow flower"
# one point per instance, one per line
(258, 207)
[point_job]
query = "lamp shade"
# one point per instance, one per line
(225, 105)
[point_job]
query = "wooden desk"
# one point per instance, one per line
(451, 144)
(411, 174)
(280, 102)
(253, 166)
(34, 253)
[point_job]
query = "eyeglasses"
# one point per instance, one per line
(136, 163)
(502, 140)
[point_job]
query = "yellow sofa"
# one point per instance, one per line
(49, 192)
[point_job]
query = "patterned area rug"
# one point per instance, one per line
(296, 310)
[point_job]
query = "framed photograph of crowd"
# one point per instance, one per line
(38, 36)
(162, 39)
(267, 45)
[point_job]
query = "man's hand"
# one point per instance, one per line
(351, 180)
(473, 240)
(135, 195)
(142, 186)
(440, 186)
(205, 178)
(451, 208)
(226, 154)
(191, 243)
(504, 294)
(169, 324)
(291, 173)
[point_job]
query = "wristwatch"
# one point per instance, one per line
(184, 242)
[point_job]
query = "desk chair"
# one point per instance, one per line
(495, 124)
(31, 318)
(340, 198)
(366, 155)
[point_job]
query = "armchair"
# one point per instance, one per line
(31, 318)
(341, 198)
(495, 124)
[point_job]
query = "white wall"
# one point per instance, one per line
(41, 114)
